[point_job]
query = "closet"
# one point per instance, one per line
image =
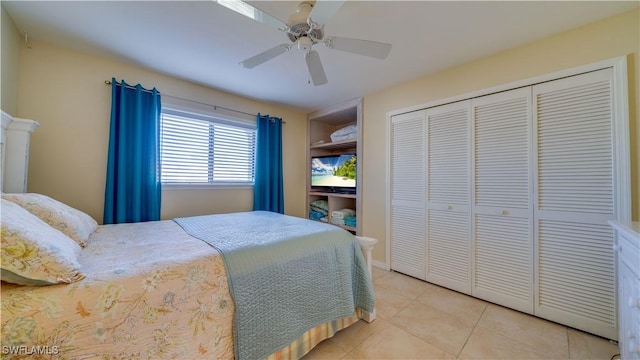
(408, 164)
(448, 139)
(506, 196)
(501, 198)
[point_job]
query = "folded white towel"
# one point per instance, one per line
(346, 137)
(341, 214)
(346, 133)
(336, 221)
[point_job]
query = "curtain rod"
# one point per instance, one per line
(215, 107)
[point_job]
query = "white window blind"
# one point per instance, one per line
(204, 149)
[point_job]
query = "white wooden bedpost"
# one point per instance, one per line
(15, 152)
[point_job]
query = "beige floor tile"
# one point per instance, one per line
(392, 342)
(445, 331)
(378, 273)
(389, 303)
(348, 357)
(402, 284)
(586, 346)
(325, 350)
(546, 337)
(487, 344)
(347, 339)
(418, 320)
(453, 302)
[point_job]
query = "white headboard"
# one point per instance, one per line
(14, 152)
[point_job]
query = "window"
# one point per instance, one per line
(205, 149)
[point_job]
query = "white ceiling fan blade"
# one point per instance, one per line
(265, 56)
(361, 47)
(323, 10)
(249, 11)
(315, 68)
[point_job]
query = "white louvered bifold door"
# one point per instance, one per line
(448, 193)
(502, 209)
(408, 173)
(575, 199)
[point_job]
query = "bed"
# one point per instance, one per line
(158, 290)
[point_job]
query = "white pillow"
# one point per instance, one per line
(72, 222)
(32, 252)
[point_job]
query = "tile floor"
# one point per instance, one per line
(417, 320)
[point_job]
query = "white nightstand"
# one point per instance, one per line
(628, 259)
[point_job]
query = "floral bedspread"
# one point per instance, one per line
(150, 291)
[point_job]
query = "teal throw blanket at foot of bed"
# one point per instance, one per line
(286, 275)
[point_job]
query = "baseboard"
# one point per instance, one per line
(380, 265)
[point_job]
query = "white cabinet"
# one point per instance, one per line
(15, 152)
(628, 261)
(506, 197)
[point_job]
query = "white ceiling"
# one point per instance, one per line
(203, 42)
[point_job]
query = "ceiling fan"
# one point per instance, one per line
(305, 28)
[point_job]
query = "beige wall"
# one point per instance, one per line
(9, 58)
(64, 90)
(613, 37)
(68, 153)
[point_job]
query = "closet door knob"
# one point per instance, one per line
(505, 212)
(450, 207)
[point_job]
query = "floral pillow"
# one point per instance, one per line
(34, 253)
(71, 222)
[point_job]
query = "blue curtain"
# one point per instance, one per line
(133, 189)
(268, 193)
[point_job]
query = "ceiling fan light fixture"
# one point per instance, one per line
(304, 43)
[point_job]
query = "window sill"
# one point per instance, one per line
(172, 187)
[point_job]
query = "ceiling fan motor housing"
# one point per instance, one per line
(300, 28)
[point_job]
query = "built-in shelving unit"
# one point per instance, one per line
(340, 145)
(321, 124)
